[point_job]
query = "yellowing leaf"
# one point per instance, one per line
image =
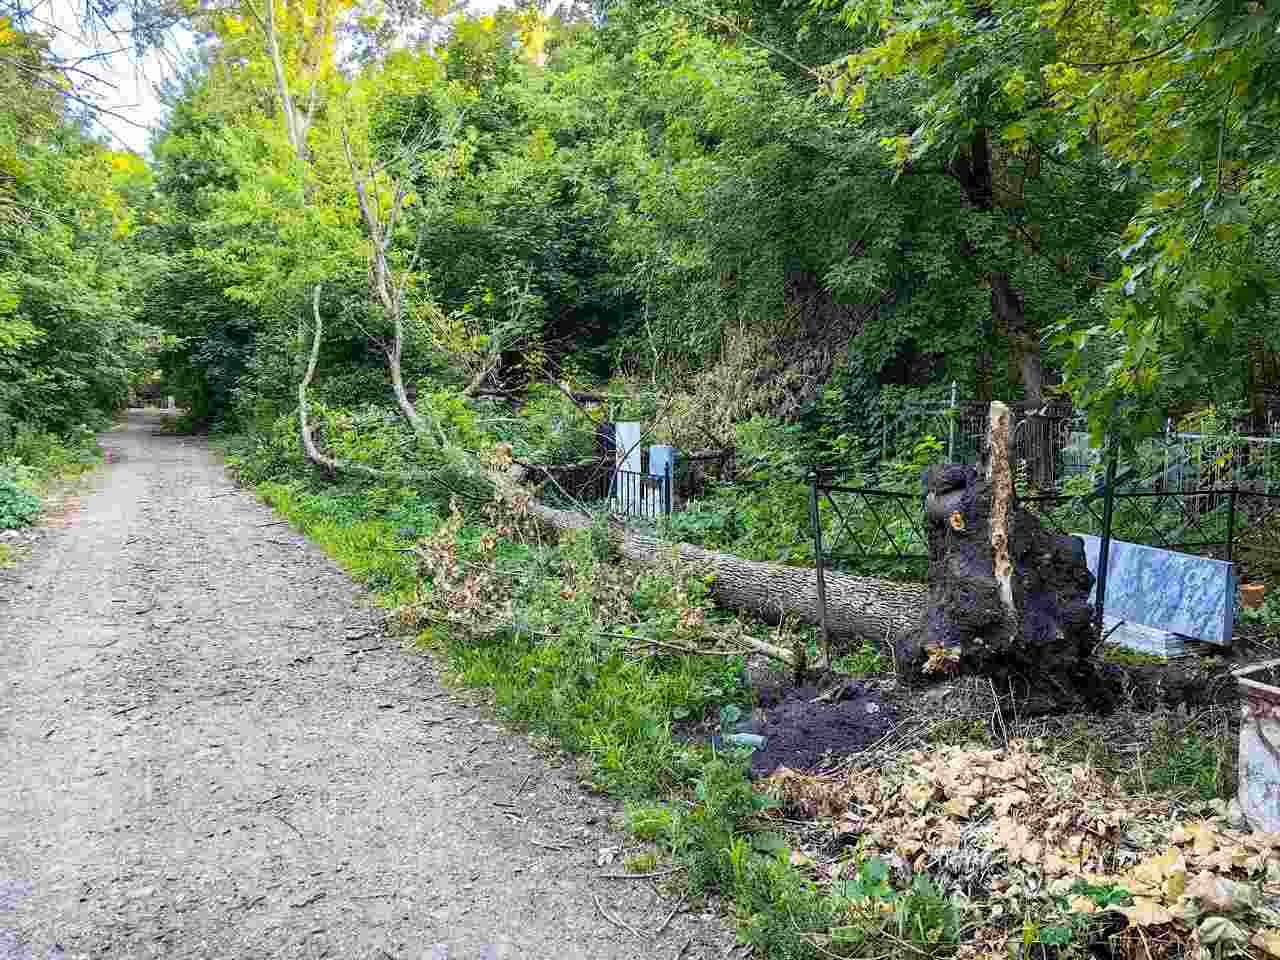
(1204, 840)
(919, 795)
(1166, 873)
(1268, 941)
(1145, 913)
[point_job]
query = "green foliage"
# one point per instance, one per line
(273, 454)
(1197, 759)
(871, 915)
(557, 674)
(868, 660)
(551, 428)
(1143, 97)
(31, 459)
(1266, 616)
(68, 336)
(18, 506)
(48, 455)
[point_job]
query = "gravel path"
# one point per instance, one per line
(207, 752)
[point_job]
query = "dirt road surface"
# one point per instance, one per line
(207, 751)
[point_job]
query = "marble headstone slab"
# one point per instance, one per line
(626, 439)
(627, 487)
(1165, 592)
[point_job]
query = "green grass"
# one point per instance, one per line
(369, 547)
(1115, 653)
(1196, 762)
(868, 660)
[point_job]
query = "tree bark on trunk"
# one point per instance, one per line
(310, 448)
(1007, 311)
(857, 607)
(1024, 351)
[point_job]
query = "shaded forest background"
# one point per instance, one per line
(728, 211)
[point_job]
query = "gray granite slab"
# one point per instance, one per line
(1168, 592)
(1142, 639)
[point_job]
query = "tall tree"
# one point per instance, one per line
(1171, 99)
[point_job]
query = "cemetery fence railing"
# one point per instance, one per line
(1201, 494)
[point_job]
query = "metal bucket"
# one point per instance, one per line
(1260, 744)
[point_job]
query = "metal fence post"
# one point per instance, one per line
(816, 520)
(1104, 552)
(1231, 521)
(951, 426)
(667, 498)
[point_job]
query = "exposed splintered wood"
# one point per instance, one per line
(1000, 476)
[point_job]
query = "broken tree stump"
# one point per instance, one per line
(1008, 598)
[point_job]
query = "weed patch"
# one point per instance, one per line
(34, 462)
(1196, 759)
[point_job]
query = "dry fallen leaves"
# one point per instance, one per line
(1047, 828)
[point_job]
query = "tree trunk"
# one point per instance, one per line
(857, 607)
(330, 465)
(1024, 343)
(1008, 598)
(1024, 355)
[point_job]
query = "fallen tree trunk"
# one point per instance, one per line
(856, 606)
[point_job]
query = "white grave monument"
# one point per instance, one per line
(627, 481)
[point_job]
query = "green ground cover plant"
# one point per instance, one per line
(33, 462)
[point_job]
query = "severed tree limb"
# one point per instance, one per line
(1000, 476)
(856, 606)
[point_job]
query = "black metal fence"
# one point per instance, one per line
(1191, 493)
(629, 493)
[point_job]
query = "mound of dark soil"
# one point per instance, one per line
(803, 735)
